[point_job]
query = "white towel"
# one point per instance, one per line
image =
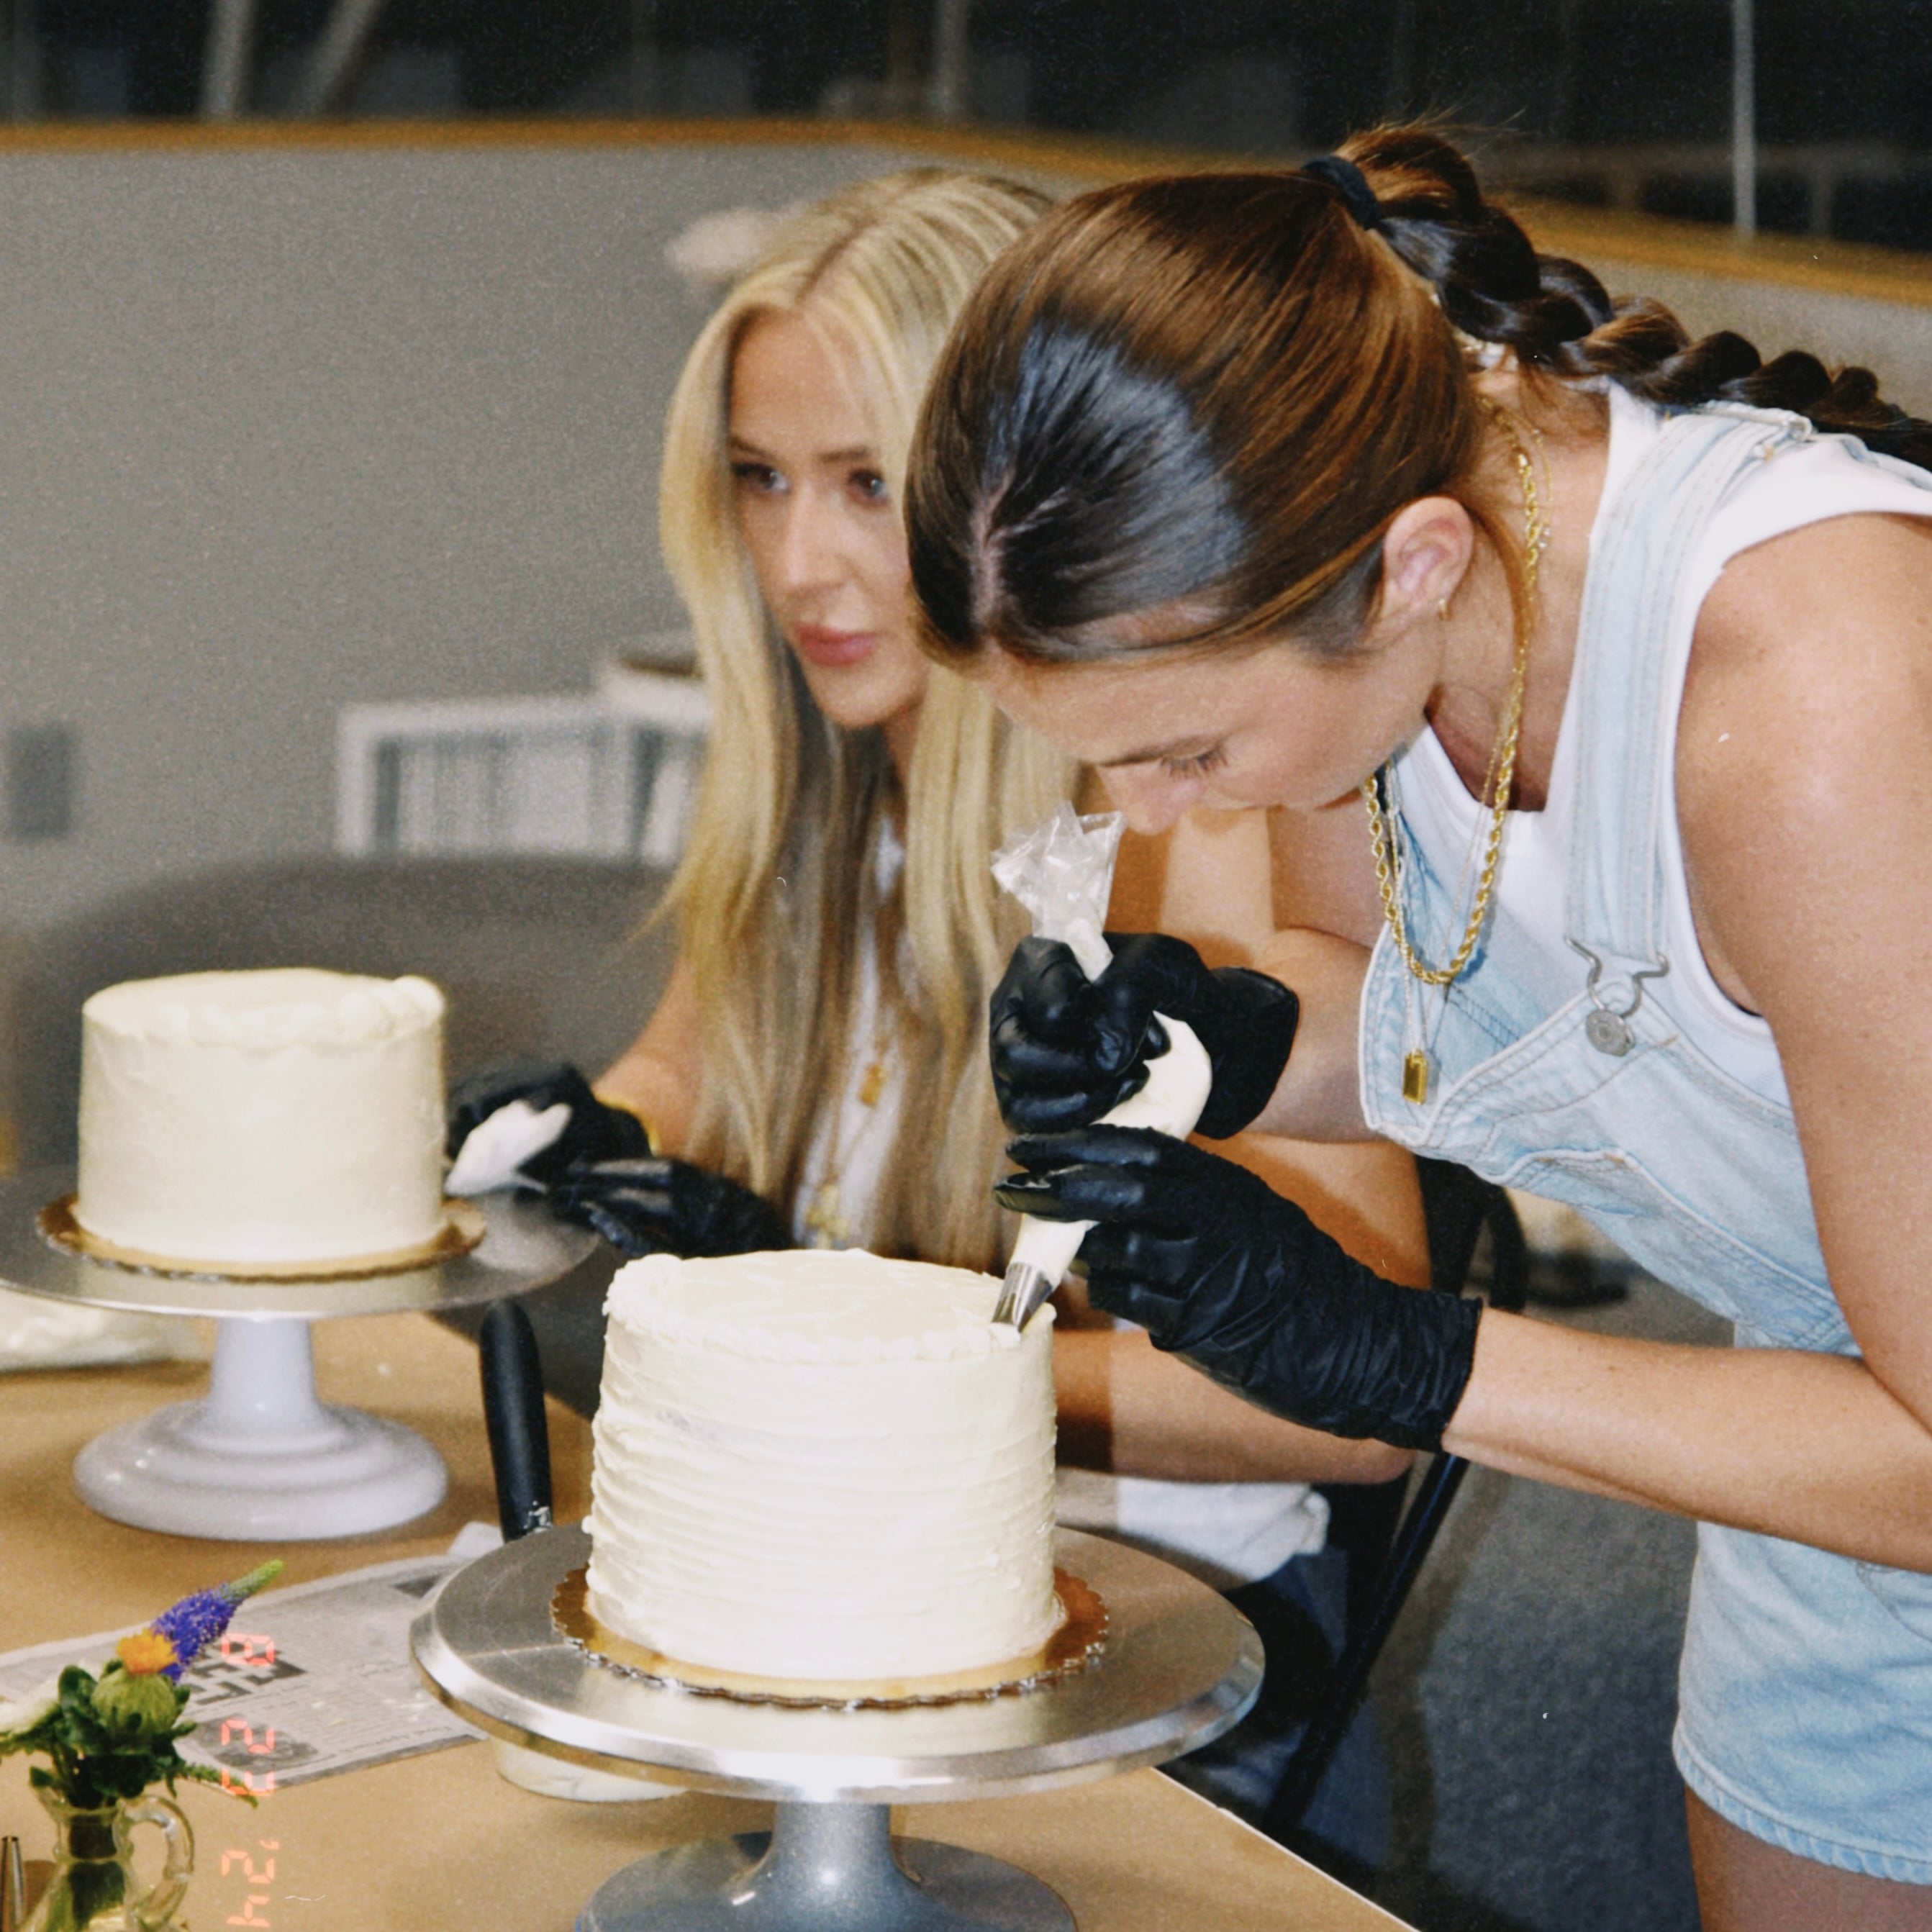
(36, 1333)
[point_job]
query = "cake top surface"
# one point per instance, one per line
(287, 1005)
(811, 1305)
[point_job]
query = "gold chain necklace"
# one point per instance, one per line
(827, 1223)
(826, 1220)
(1496, 783)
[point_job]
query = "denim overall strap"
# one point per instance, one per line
(1510, 1057)
(1627, 700)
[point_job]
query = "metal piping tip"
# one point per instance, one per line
(1021, 1292)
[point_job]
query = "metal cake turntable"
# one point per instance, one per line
(1180, 1666)
(260, 1458)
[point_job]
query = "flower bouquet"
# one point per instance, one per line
(106, 1739)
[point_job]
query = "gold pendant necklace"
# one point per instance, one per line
(825, 1220)
(828, 1227)
(1416, 1067)
(1415, 1076)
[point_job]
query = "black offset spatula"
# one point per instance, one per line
(513, 1413)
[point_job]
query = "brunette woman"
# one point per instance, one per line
(1302, 488)
(815, 1071)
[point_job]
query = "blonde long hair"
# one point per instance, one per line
(778, 884)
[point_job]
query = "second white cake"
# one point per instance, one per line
(823, 1465)
(286, 1117)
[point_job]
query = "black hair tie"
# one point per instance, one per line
(1352, 184)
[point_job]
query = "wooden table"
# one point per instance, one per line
(440, 1840)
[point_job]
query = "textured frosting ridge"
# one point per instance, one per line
(814, 1465)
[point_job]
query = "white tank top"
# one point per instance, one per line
(1808, 483)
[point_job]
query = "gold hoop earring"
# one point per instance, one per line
(1442, 608)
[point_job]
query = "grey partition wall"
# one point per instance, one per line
(295, 418)
(286, 426)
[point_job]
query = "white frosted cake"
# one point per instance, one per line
(275, 1117)
(824, 1465)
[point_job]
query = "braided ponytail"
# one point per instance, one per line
(1555, 315)
(1200, 401)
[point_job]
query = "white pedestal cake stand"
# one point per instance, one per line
(260, 1459)
(1180, 1666)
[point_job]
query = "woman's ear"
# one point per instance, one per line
(1425, 557)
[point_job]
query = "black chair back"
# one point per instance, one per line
(1386, 1543)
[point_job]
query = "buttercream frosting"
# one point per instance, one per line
(286, 1116)
(822, 1465)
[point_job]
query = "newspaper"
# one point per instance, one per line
(308, 1682)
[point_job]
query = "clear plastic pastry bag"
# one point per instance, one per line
(1063, 873)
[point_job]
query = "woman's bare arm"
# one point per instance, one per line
(1126, 1407)
(659, 1075)
(1804, 786)
(1319, 1095)
(1328, 916)
(1292, 894)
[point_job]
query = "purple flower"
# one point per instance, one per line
(194, 1623)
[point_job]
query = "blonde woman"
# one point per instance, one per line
(851, 795)
(816, 1071)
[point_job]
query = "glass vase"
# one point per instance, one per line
(94, 1887)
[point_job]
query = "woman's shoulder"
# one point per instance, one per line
(1804, 475)
(1816, 580)
(1809, 642)
(1807, 719)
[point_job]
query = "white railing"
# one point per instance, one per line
(609, 775)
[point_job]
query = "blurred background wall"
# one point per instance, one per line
(291, 423)
(1632, 104)
(284, 429)
(335, 335)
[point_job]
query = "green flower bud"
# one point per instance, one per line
(137, 1705)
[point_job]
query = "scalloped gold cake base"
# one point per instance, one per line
(463, 1228)
(1074, 1647)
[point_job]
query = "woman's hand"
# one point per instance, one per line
(533, 1120)
(539, 1120)
(1225, 1273)
(658, 1205)
(1066, 1049)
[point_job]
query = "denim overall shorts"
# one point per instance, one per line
(1805, 1688)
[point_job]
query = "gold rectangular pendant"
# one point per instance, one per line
(1415, 1076)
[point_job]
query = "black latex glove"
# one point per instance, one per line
(658, 1205)
(1066, 1049)
(1220, 1270)
(594, 1132)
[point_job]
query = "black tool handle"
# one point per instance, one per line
(513, 1412)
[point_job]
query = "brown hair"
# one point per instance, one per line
(1211, 395)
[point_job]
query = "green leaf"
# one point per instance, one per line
(77, 1686)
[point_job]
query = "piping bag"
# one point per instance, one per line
(1063, 873)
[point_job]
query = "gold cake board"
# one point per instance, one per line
(462, 1230)
(1076, 1645)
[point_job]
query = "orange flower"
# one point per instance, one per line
(145, 1652)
